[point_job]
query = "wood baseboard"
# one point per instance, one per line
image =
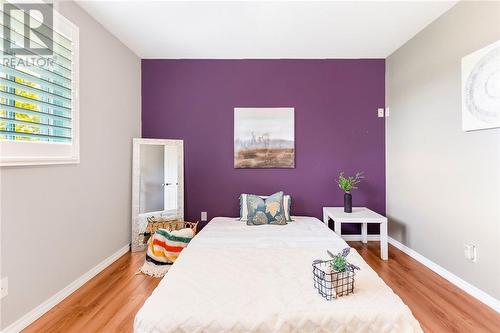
(41, 309)
(457, 281)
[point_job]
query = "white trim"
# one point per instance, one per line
(41, 309)
(44, 160)
(460, 283)
(359, 238)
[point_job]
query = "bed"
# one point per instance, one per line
(238, 278)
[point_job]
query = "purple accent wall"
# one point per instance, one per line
(336, 128)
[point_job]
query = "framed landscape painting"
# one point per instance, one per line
(264, 138)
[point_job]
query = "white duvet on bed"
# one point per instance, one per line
(238, 278)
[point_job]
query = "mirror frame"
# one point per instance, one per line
(136, 178)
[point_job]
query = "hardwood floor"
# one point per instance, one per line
(437, 304)
(109, 302)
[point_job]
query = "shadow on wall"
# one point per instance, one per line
(397, 230)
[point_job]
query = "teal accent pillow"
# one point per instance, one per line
(266, 211)
(287, 203)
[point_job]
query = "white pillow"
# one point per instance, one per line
(287, 203)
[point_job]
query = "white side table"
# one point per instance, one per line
(361, 215)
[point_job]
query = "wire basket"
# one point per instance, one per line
(331, 284)
(155, 223)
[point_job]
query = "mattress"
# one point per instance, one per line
(238, 278)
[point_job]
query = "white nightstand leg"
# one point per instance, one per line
(325, 217)
(338, 228)
(383, 241)
(364, 232)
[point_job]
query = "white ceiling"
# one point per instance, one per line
(264, 29)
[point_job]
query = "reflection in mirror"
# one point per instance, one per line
(157, 185)
(171, 183)
(151, 196)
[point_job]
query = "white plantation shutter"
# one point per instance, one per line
(38, 93)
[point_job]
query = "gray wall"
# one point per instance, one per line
(443, 184)
(58, 222)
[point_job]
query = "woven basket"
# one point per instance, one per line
(155, 223)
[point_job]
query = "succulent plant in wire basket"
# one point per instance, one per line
(339, 263)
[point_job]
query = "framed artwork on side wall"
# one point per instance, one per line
(264, 138)
(481, 88)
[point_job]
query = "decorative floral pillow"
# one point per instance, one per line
(266, 211)
(287, 203)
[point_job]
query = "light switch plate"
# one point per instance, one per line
(380, 112)
(203, 216)
(4, 287)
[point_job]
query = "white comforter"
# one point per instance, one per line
(238, 278)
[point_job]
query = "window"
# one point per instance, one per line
(38, 90)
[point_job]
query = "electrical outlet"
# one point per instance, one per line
(380, 112)
(203, 216)
(386, 112)
(4, 287)
(470, 252)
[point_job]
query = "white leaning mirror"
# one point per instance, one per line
(157, 184)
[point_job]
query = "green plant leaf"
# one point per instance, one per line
(349, 183)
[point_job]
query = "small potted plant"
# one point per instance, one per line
(335, 277)
(342, 270)
(347, 184)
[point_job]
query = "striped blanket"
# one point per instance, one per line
(163, 248)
